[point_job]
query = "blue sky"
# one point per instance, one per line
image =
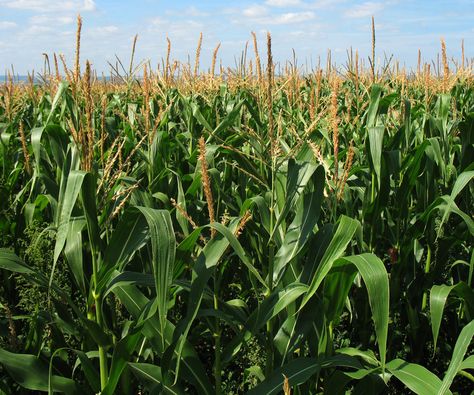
(29, 28)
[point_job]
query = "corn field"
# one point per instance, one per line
(172, 230)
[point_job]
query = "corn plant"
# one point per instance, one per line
(239, 233)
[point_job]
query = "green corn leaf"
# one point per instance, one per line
(62, 89)
(462, 344)
(274, 304)
(374, 274)
(263, 211)
(10, 261)
(128, 237)
(461, 182)
(152, 378)
(88, 197)
(368, 356)
(163, 245)
(199, 117)
(129, 278)
(447, 205)
(206, 261)
(410, 170)
(375, 94)
(89, 370)
(299, 174)
(297, 372)
(192, 368)
(301, 370)
(97, 333)
(375, 142)
(438, 296)
(73, 252)
(417, 378)
(237, 247)
(301, 228)
(66, 205)
(268, 309)
(343, 235)
(32, 373)
(229, 118)
(122, 353)
(468, 363)
(181, 200)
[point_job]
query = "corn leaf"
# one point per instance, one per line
(32, 373)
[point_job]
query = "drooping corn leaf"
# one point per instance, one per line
(417, 378)
(32, 373)
(438, 296)
(374, 274)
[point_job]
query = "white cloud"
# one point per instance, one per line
(255, 11)
(50, 5)
(292, 17)
(297, 33)
(158, 21)
(260, 15)
(38, 29)
(89, 5)
(364, 10)
(319, 4)
(4, 25)
(186, 30)
(104, 30)
(283, 3)
(50, 20)
(190, 11)
(193, 11)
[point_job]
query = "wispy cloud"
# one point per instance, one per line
(5, 25)
(292, 17)
(38, 30)
(258, 14)
(191, 11)
(89, 5)
(194, 11)
(104, 30)
(297, 33)
(364, 10)
(50, 5)
(51, 20)
(183, 29)
(320, 4)
(283, 3)
(255, 11)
